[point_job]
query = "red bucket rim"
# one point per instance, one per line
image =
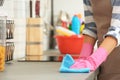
(73, 36)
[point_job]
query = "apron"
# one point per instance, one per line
(102, 13)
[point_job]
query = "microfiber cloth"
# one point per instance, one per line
(67, 62)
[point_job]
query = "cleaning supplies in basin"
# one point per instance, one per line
(76, 23)
(63, 31)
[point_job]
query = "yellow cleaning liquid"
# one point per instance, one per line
(82, 27)
(2, 58)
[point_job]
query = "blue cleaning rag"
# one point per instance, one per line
(67, 62)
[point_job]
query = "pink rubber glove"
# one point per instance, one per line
(86, 51)
(93, 61)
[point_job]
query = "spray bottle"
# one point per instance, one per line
(75, 25)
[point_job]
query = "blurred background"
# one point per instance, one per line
(49, 11)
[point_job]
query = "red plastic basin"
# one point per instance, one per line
(69, 44)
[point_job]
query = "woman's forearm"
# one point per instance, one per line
(109, 44)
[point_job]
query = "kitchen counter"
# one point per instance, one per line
(44, 67)
(40, 71)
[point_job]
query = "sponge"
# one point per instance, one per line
(67, 62)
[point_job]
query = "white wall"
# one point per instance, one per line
(15, 10)
(70, 6)
(20, 28)
(8, 8)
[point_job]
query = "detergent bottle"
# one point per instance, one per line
(75, 25)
